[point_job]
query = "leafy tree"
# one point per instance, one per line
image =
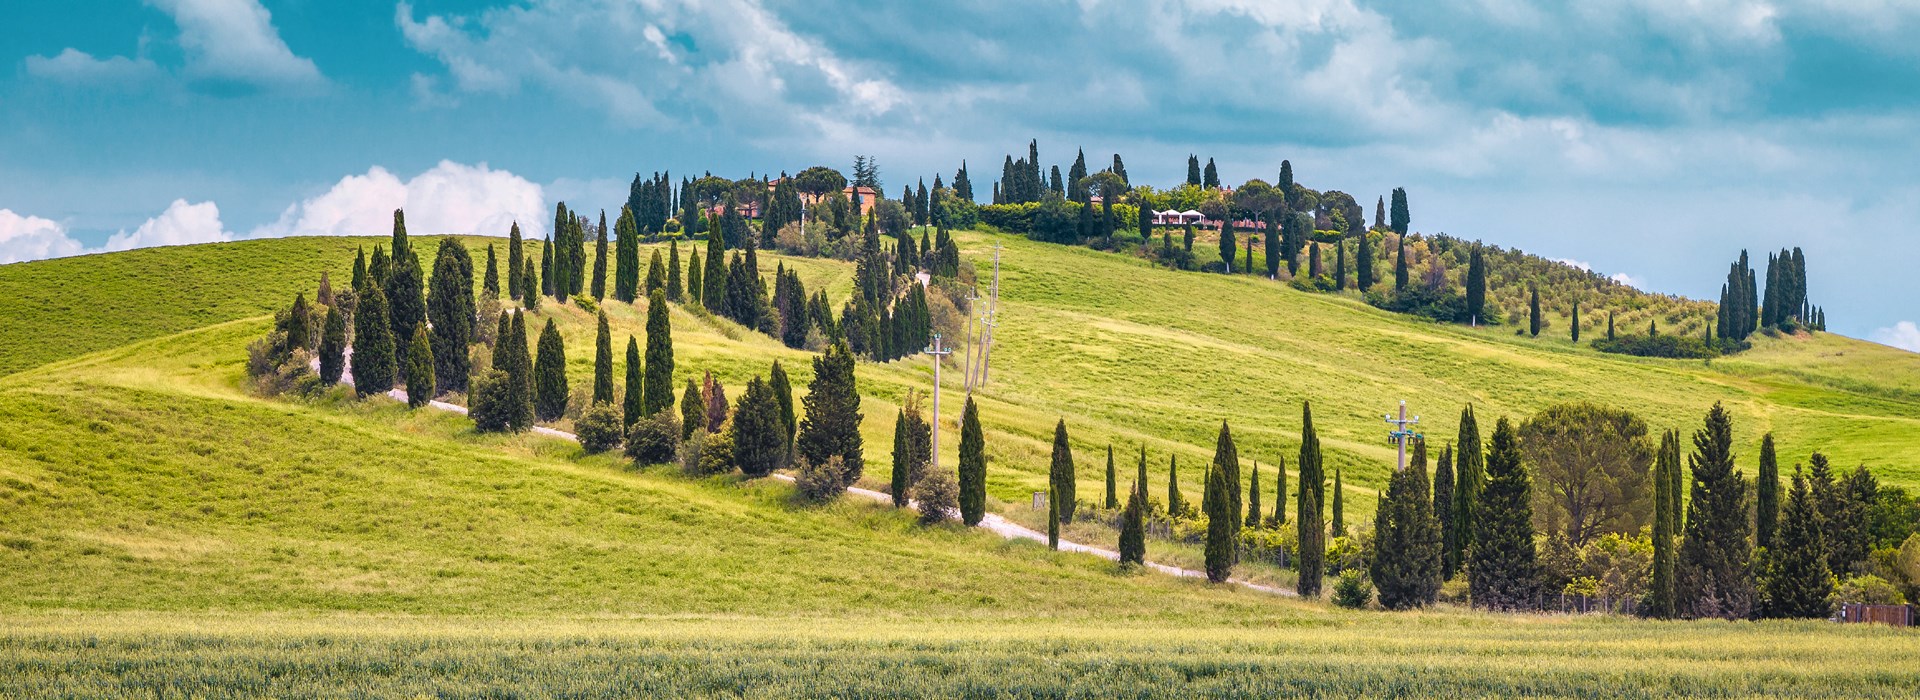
(599, 428)
(1468, 475)
(1312, 530)
(1061, 472)
(759, 440)
(451, 311)
(1221, 546)
(1714, 572)
(973, 466)
(333, 347)
(1406, 567)
(659, 379)
(1660, 601)
(632, 404)
(1443, 509)
(419, 369)
(1798, 581)
(832, 424)
(373, 352)
(602, 363)
(1591, 463)
(1401, 218)
(1501, 570)
(550, 375)
(1133, 527)
(1766, 494)
(491, 402)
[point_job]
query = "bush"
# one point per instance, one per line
(1456, 590)
(717, 456)
(1869, 589)
(691, 451)
(1349, 554)
(586, 303)
(938, 497)
(824, 481)
(654, 440)
(1353, 590)
(599, 428)
(490, 402)
(1275, 546)
(1684, 347)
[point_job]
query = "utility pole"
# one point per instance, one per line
(1400, 434)
(972, 296)
(993, 310)
(939, 354)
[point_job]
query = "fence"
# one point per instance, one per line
(1584, 604)
(1896, 615)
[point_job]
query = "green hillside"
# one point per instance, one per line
(151, 509)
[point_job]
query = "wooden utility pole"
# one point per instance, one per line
(972, 298)
(1400, 434)
(993, 310)
(939, 354)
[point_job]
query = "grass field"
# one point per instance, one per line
(163, 533)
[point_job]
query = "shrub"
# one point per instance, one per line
(1667, 346)
(599, 428)
(655, 439)
(1456, 590)
(824, 481)
(717, 457)
(586, 303)
(692, 449)
(1352, 590)
(1348, 553)
(492, 402)
(937, 496)
(1869, 589)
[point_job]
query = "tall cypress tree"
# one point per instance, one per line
(632, 405)
(419, 369)
(1227, 249)
(1401, 216)
(1400, 267)
(1363, 263)
(1280, 503)
(1714, 577)
(516, 262)
(626, 259)
(1053, 511)
(1666, 510)
(659, 380)
(973, 466)
(656, 274)
(831, 427)
(1468, 475)
(373, 360)
(1476, 286)
(491, 283)
(673, 271)
(1226, 457)
(1060, 472)
(1501, 570)
(759, 441)
(1312, 530)
(603, 362)
(1533, 313)
(902, 470)
(451, 311)
(1339, 505)
(1221, 547)
(599, 288)
(1253, 498)
(406, 300)
(1798, 581)
(360, 270)
(1133, 527)
(1766, 494)
(714, 277)
(1443, 511)
(550, 375)
(379, 268)
(546, 267)
(1140, 479)
(1576, 323)
(531, 278)
(696, 283)
(1175, 504)
(333, 347)
(1113, 492)
(519, 369)
(1406, 566)
(783, 394)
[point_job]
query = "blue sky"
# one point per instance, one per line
(1650, 138)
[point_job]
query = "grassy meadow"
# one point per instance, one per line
(164, 533)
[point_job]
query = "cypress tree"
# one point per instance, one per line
(1666, 509)
(902, 470)
(451, 311)
(599, 287)
(546, 267)
(373, 360)
(406, 302)
(1468, 475)
(1312, 531)
(1113, 493)
(1280, 492)
(491, 283)
(714, 277)
(674, 293)
(656, 274)
(696, 282)
(516, 262)
(1443, 511)
(1253, 498)
(831, 427)
(632, 405)
(379, 268)
(1053, 521)
(1363, 265)
(1476, 286)
(1133, 526)
(1609, 325)
(360, 270)
(1339, 509)
(659, 379)
(1766, 494)
(1798, 582)
(531, 278)
(419, 369)
(759, 440)
(1501, 569)
(1226, 457)
(550, 375)
(1227, 249)
(1140, 479)
(973, 466)
(693, 411)
(1400, 267)
(1174, 503)
(1221, 547)
(1406, 567)
(1401, 217)
(1576, 323)
(333, 347)
(1193, 170)
(1060, 472)
(1533, 313)
(1340, 266)
(1714, 572)
(602, 363)
(519, 369)
(783, 394)
(1211, 179)
(626, 262)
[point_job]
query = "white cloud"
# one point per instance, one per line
(1904, 335)
(79, 67)
(1570, 262)
(451, 198)
(234, 43)
(33, 238)
(1626, 279)
(181, 224)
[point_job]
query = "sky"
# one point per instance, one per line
(1646, 139)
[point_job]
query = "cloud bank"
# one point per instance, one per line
(1904, 335)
